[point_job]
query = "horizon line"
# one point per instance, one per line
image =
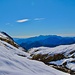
(62, 35)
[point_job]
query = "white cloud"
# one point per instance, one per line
(22, 20)
(39, 19)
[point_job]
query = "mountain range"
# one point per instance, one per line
(46, 41)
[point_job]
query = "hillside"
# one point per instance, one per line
(5, 37)
(61, 56)
(14, 61)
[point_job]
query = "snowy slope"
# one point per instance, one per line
(5, 37)
(11, 63)
(63, 49)
(70, 63)
(61, 55)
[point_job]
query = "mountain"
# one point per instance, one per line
(61, 57)
(46, 41)
(15, 61)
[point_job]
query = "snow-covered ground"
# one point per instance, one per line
(70, 63)
(67, 50)
(2, 35)
(13, 64)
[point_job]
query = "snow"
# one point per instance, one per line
(13, 50)
(65, 49)
(58, 62)
(71, 66)
(13, 64)
(62, 61)
(2, 35)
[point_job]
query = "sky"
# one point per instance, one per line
(26, 18)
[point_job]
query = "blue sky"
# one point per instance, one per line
(25, 18)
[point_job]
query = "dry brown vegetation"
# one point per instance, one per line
(46, 58)
(10, 42)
